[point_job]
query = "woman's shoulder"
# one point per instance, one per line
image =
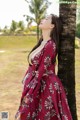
(50, 44)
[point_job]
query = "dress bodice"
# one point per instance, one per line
(37, 50)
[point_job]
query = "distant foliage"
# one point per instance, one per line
(77, 42)
(13, 26)
(78, 30)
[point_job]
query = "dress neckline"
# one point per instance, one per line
(45, 41)
(38, 50)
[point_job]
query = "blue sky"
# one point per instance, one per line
(15, 9)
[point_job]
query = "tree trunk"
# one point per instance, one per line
(66, 55)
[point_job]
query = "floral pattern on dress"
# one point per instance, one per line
(34, 116)
(25, 77)
(40, 106)
(43, 85)
(54, 47)
(65, 117)
(47, 62)
(24, 105)
(58, 116)
(36, 62)
(60, 106)
(53, 113)
(48, 103)
(51, 88)
(32, 84)
(57, 87)
(28, 116)
(49, 115)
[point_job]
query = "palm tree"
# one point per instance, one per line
(66, 55)
(38, 9)
(21, 25)
(13, 26)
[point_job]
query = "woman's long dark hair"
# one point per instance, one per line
(55, 33)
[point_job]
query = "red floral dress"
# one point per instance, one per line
(43, 89)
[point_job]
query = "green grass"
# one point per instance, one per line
(13, 42)
(13, 65)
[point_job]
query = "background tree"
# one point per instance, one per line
(66, 55)
(78, 19)
(78, 12)
(78, 9)
(21, 25)
(78, 30)
(13, 26)
(0, 29)
(38, 9)
(5, 28)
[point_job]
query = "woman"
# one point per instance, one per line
(43, 96)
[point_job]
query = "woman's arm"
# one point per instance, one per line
(34, 85)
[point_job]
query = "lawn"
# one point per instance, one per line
(13, 65)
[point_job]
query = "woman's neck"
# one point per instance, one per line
(46, 34)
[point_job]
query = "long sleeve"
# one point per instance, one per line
(48, 54)
(25, 75)
(31, 89)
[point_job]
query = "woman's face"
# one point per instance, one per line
(46, 23)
